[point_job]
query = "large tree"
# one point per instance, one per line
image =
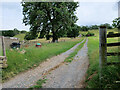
(49, 17)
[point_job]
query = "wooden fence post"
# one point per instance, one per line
(3, 46)
(4, 59)
(102, 50)
(102, 46)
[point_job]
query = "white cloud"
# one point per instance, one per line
(88, 13)
(12, 16)
(96, 13)
(96, 0)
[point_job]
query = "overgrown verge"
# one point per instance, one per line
(26, 58)
(111, 74)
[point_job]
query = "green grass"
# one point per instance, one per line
(71, 56)
(111, 74)
(39, 84)
(19, 62)
(20, 36)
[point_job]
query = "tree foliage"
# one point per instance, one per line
(107, 25)
(116, 23)
(29, 36)
(74, 31)
(10, 33)
(93, 27)
(49, 17)
(84, 28)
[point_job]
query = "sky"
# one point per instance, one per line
(88, 13)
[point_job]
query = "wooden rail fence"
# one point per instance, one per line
(103, 46)
(103, 54)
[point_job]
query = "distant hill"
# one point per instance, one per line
(20, 36)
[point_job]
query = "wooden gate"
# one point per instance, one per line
(103, 54)
(103, 47)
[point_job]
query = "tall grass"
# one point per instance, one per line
(111, 74)
(19, 62)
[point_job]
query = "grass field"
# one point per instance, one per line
(43, 40)
(111, 78)
(32, 56)
(20, 36)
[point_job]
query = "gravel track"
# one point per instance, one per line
(70, 75)
(29, 78)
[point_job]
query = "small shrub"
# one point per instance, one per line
(29, 36)
(88, 34)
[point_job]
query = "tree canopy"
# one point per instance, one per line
(116, 23)
(74, 31)
(49, 17)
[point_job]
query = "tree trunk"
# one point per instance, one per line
(55, 37)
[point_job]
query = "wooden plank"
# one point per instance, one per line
(113, 35)
(113, 54)
(113, 63)
(113, 44)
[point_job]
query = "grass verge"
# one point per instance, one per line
(111, 74)
(38, 84)
(26, 58)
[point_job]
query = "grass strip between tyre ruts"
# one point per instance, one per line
(70, 58)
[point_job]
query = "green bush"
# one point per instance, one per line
(29, 36)
(88, 34)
